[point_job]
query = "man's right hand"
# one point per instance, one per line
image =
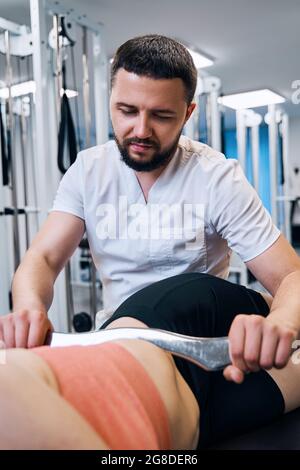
(24, 328)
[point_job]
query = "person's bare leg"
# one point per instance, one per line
(288, 378)
(33, 414)
(267, 297)
(179, 400)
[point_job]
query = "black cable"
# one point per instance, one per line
(66, 131)
(8, 142)
(4, 156)
(281, 165)
(76, 99)
(223, 132)
(64, 32)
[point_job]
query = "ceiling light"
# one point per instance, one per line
(199, 59)
(251, 99)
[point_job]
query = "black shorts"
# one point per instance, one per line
(202, 305)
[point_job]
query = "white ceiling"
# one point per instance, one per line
(255, 43)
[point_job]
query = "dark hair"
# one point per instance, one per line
(157, 57)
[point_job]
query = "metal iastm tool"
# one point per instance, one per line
(209, 353)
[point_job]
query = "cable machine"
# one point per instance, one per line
(208, 87)
(50, 58)
(247, 124)
(280, 178)
(18, 198)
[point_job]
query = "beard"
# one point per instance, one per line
(159, 159)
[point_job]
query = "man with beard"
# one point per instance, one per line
(158, 206)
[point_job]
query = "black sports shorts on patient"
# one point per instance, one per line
(202, 305)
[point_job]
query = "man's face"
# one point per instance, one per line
(147, 116)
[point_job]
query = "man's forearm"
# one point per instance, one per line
(287, 300)
(32, 286)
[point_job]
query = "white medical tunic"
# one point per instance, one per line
(199, 209)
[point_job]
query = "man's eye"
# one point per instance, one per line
(127, 112)
(162, 117)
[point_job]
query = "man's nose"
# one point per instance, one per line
(142, 127)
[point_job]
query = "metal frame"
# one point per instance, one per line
(246, 118)
(46, 124)
(211, 86)
(18, 39)
(287, 184)
(21, 39)
(281, 196)
(4, 250)
(273, 136)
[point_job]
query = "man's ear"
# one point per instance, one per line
(189, 111)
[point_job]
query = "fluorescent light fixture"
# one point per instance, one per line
(200, 60)
(25, 88)
(251, 99)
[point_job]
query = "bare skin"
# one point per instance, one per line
(40, 418)
(287, 379)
